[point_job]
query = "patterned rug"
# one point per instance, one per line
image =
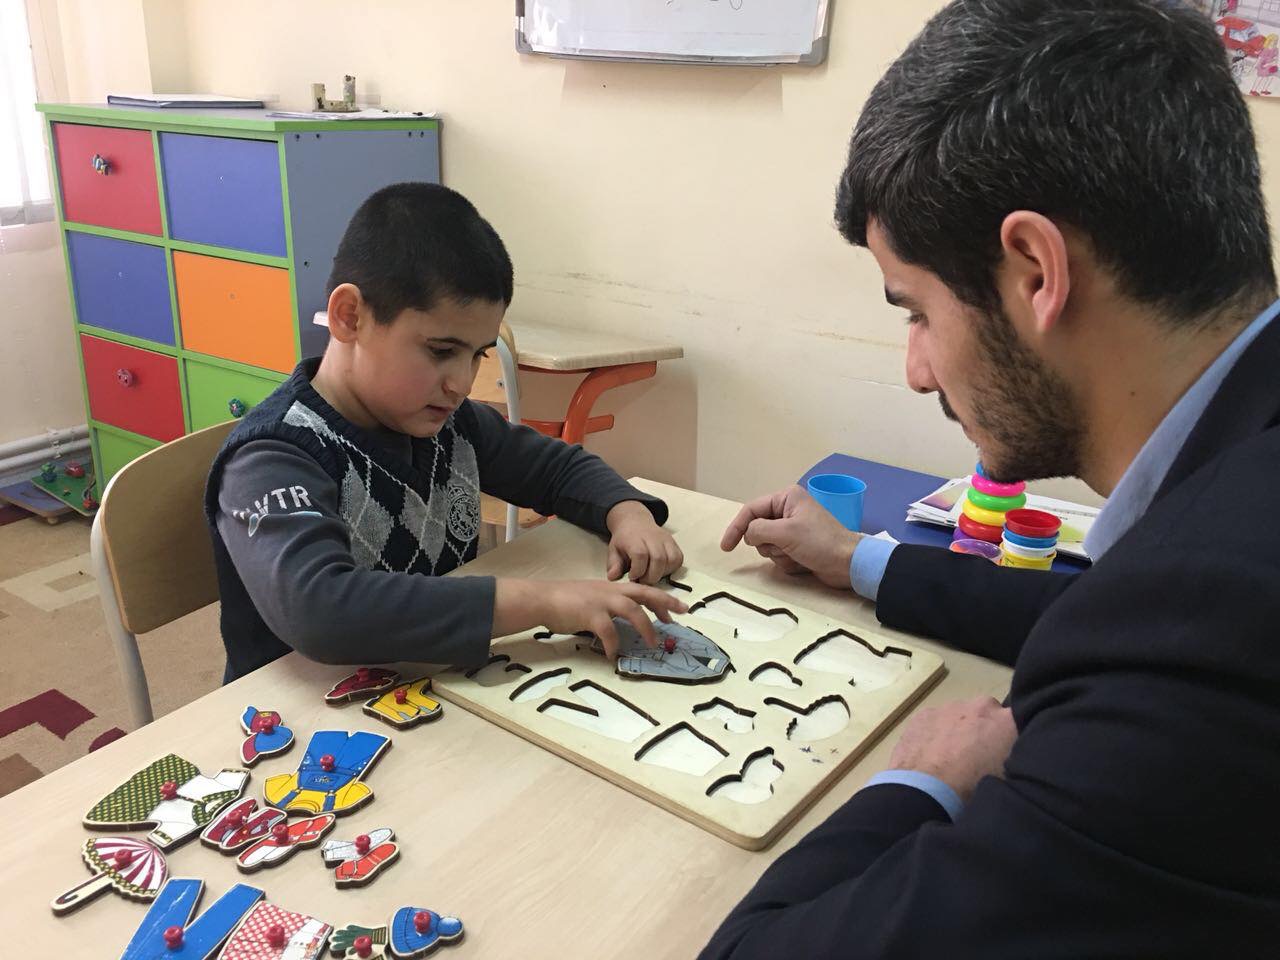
(60, 693)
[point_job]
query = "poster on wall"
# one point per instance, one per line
(1250, 30)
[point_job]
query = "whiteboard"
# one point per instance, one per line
(715, 31)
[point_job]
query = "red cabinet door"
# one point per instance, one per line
(125, 196)
(132, 389)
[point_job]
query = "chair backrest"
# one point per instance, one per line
(154, 532)
(493, 383)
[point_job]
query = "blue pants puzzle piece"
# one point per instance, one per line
(351, 752)
(173, 907)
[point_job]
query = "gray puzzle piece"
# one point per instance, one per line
(695, 659)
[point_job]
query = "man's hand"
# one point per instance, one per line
(791, 529)
(571, 606)
(959, 743)
(638, 544)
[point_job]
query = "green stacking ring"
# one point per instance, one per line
(999, 504)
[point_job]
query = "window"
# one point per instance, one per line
(24, 172)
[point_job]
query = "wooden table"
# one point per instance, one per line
(538, 857)
(609, 361)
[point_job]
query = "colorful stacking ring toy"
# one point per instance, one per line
(1032, 523)
(993, 489)
(992, 518)
(977, 548)
(998, 504)
(1027, 553)
(1021, 563)
(1033, 543)
(979, 531)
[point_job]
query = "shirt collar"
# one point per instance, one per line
(1137, 488)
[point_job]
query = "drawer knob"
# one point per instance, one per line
(125, 377)
(237, 407)
(101, 164)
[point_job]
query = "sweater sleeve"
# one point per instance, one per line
(278, 516)
(521, 466)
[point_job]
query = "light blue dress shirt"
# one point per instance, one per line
(1127, 503)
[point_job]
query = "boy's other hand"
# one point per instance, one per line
(571, 606)
(795, 532)
(637, 544)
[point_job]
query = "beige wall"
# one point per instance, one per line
(682, 203)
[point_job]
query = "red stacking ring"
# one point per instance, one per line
(1032, 523)
(980, 531)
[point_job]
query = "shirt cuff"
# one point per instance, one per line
(947, 798)
(867, 566)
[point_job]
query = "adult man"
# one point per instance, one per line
(1065, 197)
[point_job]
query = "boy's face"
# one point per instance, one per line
(411, 374)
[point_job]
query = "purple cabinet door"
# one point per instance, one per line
(121, 285)
(224, 192)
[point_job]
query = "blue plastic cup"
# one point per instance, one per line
(841, 495)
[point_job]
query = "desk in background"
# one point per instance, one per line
(889, 490)
(537, 856)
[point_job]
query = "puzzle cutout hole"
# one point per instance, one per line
(684, 750)
(498, 671)
(601, 711)
(754, 784)
(774, 675)
(847, 655)
(821, 719)
(749, 622)
(540, 685)
(544, 636)
(734, 719)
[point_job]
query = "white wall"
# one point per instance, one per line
(674, 202)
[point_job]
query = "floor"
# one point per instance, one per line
(60, 690)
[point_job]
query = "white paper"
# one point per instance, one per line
(368, 114)
(681, 28)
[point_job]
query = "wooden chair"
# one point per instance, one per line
(497, 384)
(151, 551)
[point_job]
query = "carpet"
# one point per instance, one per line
(61, 694)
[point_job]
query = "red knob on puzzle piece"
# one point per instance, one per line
(364, 946)
(402, 695)
(327, 763)
(362, 675)
(237, 819)
(268, 726)
(280, 832)
(275, 936)
(362, 844)
(173, 938)
(168, 790)
(422, 921)
(123, 858)
(669, 644)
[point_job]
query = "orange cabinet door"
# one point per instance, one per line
(238, 311)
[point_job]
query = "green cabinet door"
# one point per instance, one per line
(216, 394)
(114, 451)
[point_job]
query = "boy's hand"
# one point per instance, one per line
(570, 606)
(794, 531)
(638, 544)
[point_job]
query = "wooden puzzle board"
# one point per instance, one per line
(739, 757)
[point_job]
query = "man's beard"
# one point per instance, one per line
(1030, 419)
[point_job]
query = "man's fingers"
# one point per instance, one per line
(766, 532)
(767, 507)
(787, 565)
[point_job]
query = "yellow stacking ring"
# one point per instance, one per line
(977, 514)
(1009, 560)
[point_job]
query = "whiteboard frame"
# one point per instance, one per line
(815, 56)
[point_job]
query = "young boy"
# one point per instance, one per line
(338, 502)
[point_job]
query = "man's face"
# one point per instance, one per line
(412, 373)
(1021, 415)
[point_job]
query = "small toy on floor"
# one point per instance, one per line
(363, 682)
(358, 861)
(413, 932)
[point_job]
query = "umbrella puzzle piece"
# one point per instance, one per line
(132, 868)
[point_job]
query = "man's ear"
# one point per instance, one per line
(346, 312)
(1035, 276)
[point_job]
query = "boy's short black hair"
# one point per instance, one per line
(1117, 117)
(412, 245)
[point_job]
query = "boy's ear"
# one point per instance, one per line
(346, 306)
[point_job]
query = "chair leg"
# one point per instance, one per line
(126, 644)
